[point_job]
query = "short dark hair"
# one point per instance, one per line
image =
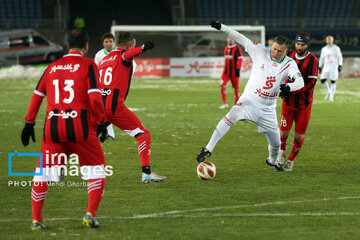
(77, 38)
(124, 38)
(280, 39)
(107, 35)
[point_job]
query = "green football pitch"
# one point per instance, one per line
(247, 199)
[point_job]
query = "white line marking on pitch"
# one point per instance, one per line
(181, 213)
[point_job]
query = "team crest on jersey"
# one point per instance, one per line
(255, 43)
(262, 66)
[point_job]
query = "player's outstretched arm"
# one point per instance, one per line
(238, 37)
(131, 53)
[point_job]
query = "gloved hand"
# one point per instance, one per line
(216, 24)
(284, 91)
(237, 72)
(339, 68)
(101, 128)
(28, 132)
(147, 45)
(320, 70)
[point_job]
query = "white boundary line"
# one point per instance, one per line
(182, 213)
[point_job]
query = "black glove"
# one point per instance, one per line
(320, 70)
(284, 91)
(28, 132)
(339, 68)
(101, 128)
(148, 45)
(237, 72)
(216, 24)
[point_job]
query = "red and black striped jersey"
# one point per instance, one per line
(116, 70)
(74, 104)
(233, 59)
(308, 66)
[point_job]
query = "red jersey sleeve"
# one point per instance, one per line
(36, 100)
(311, 74)
(240, 58)
(94, 92)
(127, 55)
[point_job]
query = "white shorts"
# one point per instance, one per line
(332, 75)
(264, 117)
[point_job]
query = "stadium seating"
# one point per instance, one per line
(278, 13)
(20, 13)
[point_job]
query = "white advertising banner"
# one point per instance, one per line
(211, 67)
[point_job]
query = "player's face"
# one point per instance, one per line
(329, 40)
(278, 51)
(230, 41)
(301, 48)
(108, 44)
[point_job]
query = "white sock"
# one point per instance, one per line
(220, 131)
(110, 130)
(333, 89)
(326, 86)
(273, 153)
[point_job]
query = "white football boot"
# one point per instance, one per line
(288, 166)
(276, 165)
(281, 157)
(331, 98)
(224, 105)
(327, 96)
(152, 177)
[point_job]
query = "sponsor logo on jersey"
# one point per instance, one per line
(64, 115)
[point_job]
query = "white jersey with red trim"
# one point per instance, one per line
(266, 75)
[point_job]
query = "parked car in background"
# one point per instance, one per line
(207, 46)
(27, 46)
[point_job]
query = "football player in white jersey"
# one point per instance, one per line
(330, 64)
(258, 102)
(108, 41)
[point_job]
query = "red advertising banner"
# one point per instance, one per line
(152, 67)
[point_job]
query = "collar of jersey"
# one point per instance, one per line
(330, 46)
(79, 54)
(106, 52)
(301, 58)
(231, 46)
(280, 61)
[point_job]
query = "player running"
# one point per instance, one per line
(233, 62)
(330, 64)
(296, 106)
(108, 41)
(258, 102)
(116, 73)
(75, 113)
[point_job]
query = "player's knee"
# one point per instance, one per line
(333, 81)
(144, 135)
(299, 137)
(323, 80)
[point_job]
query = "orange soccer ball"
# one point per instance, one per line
(206, 170)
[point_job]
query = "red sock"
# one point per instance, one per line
(144, 149)
(296, 149)
(96, 188)
(223, 94)
(38, 195)
(283, 143)
(237, 95)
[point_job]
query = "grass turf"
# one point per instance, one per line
(320, 199)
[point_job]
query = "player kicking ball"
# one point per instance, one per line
(75, 114)
(115, 73)
(258, 102)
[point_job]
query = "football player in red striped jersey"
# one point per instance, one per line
(116, 73)
(233, 61)
(296, 106)
(75, 114)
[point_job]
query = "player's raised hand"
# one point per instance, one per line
(339, 68)
(284, 91)
(148, 45)
(28, 132)
(216, 24)
(101, 128)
